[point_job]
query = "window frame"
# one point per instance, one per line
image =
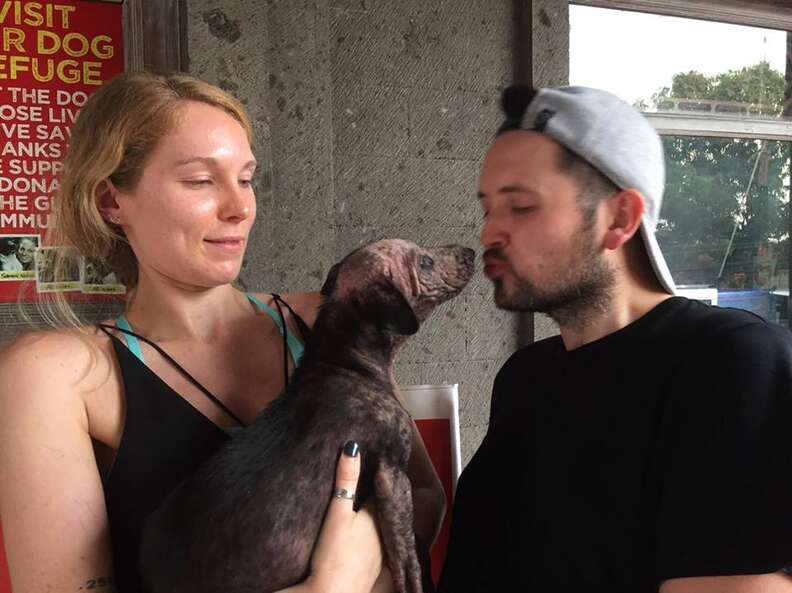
(700, 125)
(766, 15)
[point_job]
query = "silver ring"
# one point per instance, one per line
(344, 493)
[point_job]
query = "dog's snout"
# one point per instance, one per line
(466, 256)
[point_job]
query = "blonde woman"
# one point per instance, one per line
(98, 423)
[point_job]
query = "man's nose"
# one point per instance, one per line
(493, 232)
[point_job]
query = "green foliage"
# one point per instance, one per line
(753, 85)
(707, 180)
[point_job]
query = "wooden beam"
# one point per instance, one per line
(522, 60)
(154, 35)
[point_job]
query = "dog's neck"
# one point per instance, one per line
(342, 337)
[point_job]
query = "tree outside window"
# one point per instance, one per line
(725, 221)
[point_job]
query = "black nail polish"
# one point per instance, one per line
(351, 449)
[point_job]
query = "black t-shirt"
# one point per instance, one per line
(662, 450)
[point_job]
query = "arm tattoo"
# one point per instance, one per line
(97, 583)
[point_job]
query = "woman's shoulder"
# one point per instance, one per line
(55, 361)
(305, 304)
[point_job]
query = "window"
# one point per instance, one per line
(720, 95)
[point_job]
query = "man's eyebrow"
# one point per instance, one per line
(511, 189)
(206, 160)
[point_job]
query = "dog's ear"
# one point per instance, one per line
(330, 281)
(393, 313)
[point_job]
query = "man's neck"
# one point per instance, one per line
(627, 304)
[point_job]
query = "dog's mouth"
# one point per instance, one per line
(467, 267)
(453, 267)
(462, 268)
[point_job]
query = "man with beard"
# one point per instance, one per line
(646, 448)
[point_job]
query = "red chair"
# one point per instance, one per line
(435, 409)
(5, 579)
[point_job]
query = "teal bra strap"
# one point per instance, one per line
(296, 348)
(131, 341)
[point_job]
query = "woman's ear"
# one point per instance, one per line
(625, 212)
(105, 196)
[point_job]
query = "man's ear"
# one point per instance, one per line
(392, 311)
(105, 197)
(330, 281)
(624, 211)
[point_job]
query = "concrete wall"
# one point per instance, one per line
(549, 58)
(371, 119)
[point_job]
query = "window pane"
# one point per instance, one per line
(678, 65)
(725, 222)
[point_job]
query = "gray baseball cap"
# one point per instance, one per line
(615, 139)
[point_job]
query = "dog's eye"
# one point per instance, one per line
(426, 263)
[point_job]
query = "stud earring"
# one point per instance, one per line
(111, 218)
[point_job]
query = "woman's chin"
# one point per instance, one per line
(214, 280)
(221, 280)
(229, 276)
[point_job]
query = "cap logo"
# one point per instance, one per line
(540, 123)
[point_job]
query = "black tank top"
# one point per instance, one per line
(164, 440)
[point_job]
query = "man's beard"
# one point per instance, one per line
(579, 292)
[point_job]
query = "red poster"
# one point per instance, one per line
(53, 55)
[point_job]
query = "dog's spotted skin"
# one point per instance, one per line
(248, 520)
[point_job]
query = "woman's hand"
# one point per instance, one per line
(348, 554)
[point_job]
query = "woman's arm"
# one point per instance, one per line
(52, 507)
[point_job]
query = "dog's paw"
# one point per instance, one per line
(414, 573)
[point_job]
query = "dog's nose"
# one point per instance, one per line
(466, 255)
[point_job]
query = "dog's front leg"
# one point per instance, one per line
(395, 513)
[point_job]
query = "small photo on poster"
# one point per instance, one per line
(17, 256)
(63, 261)
(97, 278)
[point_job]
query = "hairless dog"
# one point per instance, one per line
(248, 519)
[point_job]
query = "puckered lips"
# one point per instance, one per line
(494, 265)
